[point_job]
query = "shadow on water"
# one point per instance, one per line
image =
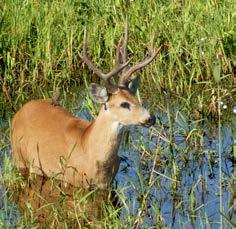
(164, 180)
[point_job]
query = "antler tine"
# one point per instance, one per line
(119, 63)
(125, 77)
(104, 76)
(118, 53)
(87, 60)
(125, 44)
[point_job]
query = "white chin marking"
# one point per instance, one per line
(146, 114)
(116, 127)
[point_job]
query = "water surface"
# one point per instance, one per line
(181, 189)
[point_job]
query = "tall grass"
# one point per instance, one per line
(39, 43)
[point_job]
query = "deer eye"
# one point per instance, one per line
(125, 105)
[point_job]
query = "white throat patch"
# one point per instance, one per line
(116, 127)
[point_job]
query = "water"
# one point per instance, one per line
(195, 200)
(185, 188)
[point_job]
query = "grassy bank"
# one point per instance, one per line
(40, 40)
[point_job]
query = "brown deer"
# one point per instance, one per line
(48, 140)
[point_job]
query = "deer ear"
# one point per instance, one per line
(98, 94)
(133, 85)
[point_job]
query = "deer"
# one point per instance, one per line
(48, 140)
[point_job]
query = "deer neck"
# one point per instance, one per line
(103, 138)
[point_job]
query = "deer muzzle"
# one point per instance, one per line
(150, 122)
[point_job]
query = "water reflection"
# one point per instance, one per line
(51, 202)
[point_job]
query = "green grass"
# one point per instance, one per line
(39, 45)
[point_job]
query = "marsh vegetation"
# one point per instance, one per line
(179, 174)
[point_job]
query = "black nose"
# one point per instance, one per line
(151, 121)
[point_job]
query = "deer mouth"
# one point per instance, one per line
(149, 122)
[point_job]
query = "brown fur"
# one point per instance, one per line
(49, 140)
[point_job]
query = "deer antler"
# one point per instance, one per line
(125, 43)
(104, 76)
(121, 63)
(126, 74)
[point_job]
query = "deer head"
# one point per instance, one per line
(119, 99)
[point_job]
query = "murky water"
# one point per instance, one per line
(181, 190)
